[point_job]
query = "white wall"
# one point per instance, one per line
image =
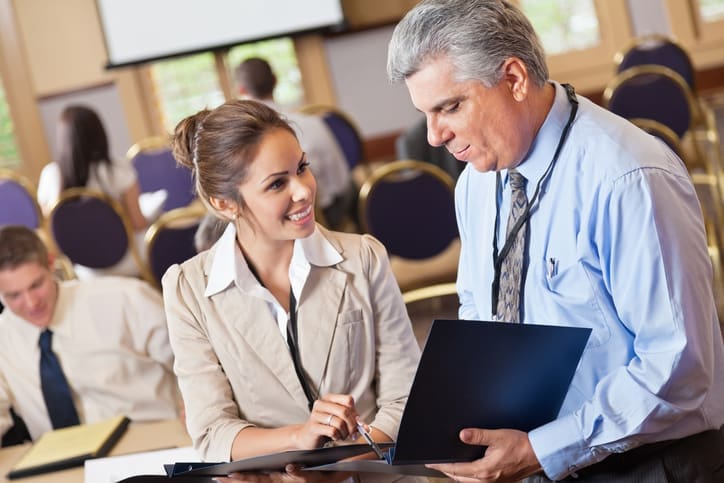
(357, 64)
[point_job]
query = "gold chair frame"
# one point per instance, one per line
(152, 143)
(652, 38)
(177, 218)
(660, 70)
(80, 192)
(429, 292)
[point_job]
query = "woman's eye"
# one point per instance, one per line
(275, 185)
(303, 167)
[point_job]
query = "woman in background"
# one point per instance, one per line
(284, 333)
(84, 161)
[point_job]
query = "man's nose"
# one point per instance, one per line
(437, 133)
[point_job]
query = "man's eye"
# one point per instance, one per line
(452, 107)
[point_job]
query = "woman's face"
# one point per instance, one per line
(279, 190)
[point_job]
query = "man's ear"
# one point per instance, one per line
(515, 75)
(225, 207)
(51, 261)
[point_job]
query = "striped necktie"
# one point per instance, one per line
(512, 266)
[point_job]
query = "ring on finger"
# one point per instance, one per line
(329, 420)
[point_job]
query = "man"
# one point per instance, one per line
(336, 193)
(412, 144)
(101, 343)
(604, 231)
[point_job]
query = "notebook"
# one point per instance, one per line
(68, 447)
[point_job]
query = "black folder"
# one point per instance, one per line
(474, 374)
(471, 374)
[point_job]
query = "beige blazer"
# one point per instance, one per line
(234, 367)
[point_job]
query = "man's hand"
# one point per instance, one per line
(509, 457)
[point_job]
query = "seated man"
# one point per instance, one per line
(78, 352)
(412, 144)
(336, 192)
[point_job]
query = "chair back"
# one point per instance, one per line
(157, 169)
(18, 202)
(653, 92)
(91, 229)
(170, 239)
(656, 49)
(425, 304)
(410, 207)
(343, 129)
(662, 132)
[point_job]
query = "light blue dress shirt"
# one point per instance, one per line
(617, 244)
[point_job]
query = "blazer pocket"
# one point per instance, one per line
(350, 317)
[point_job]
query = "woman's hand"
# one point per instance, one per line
(333, 417)
(293, 474)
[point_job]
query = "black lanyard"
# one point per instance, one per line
(294, 350)
(510, 238)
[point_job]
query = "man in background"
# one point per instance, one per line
(78, 352)
(336, 193)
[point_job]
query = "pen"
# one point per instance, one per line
(552, 267)
(370, 441)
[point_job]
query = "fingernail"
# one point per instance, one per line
(465, 434)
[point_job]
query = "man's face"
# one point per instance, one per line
(30, 292)
(485, 127)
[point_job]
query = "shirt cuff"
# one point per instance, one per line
(560, 449)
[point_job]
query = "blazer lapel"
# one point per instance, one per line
(317, 319)
(252, 319)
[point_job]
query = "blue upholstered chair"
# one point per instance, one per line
(157, 169)
(92, 230)
(345, 131)
(409, 206)
(18, 203)
(656, 49)
(170, 239)
(653, 92)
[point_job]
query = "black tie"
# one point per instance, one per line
(54, 385)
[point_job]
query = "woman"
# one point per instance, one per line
(232, 310)
(84, 161)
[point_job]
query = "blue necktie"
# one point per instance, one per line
(56, 391)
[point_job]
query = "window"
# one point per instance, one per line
(711, 10)
(280, 55)
(185, 85)
(563, 25)
(580, 38)
(699, 27)
(9, 157)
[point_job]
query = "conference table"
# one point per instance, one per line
(138, 437)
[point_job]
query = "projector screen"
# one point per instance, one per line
(139, 31)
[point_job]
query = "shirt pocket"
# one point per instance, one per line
(568, 298)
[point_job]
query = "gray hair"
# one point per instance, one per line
(476, 35)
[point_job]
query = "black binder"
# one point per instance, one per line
(471, 374)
